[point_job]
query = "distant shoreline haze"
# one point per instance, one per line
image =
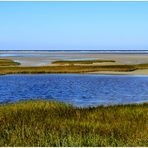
(73, 49)
(91, 51)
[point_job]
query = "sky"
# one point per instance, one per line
(74, 25)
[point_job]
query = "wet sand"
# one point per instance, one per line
(30, 58)
(136, 72)
(43, 58)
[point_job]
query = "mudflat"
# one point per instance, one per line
(45, 58)
(33, 58)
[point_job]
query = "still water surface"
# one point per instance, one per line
(77, 89)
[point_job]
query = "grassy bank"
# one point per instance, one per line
(43, 123)
(8, 62)
(64, 69)
(81, 62)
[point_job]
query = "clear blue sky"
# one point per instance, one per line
(73, 25)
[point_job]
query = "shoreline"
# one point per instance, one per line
(135, 73)
(71, 105)
(132, 73)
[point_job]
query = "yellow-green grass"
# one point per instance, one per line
(8, 62)
(45, 123)
(64, 69)
(81, 61)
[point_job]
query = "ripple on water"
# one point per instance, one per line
(77, 89)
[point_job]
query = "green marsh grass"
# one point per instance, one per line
(45, 123)
(82, 61)
(63, 69)
(8, 62)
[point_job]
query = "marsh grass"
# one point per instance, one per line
(45, 123)
(64, 69)
(82, 61)
(9, 67)
(8, 62)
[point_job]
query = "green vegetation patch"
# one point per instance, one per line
(82, 61)
(8, 62)
(64, 69)
(44, 123)
(142, 66)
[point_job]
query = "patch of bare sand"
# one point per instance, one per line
(136, 72)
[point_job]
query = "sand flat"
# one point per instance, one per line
(43, 58)
(28, 58)
(136, 72)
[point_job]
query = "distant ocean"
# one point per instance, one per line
(86, 51)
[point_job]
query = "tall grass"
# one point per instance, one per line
(43, 123)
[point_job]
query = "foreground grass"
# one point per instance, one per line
(81, 62)
(43, 123)
(8, 62)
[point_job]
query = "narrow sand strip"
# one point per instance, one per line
(136, 72)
